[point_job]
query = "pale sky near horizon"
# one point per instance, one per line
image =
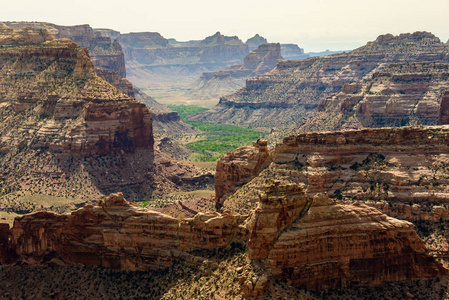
(315, 25)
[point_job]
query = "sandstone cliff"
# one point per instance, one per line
(405, 165)
(313, 242)
(105, 53)
(291, 91)
(59, 118)
(258, 61)
(400, 95)
(151, 59)
(318, 243)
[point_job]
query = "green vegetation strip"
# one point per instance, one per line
(186, 110)
(220, 139)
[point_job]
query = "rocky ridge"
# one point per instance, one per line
(400, 95)
(118, 235)
(66, 132)
(286, 95)
(258, 61)
(405, 167)
(104, 52)
(151, 59)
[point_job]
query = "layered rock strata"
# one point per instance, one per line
(116, 234)
(314, 242)
(238, 167)
(286, 95)
(400, 165)
(58, 117)
(400, 95)
(258, 61)
(104, 51)
(318, 243)
(152, 59)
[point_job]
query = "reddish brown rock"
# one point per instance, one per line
(119, 235)
(258, 61)
(401, 94)
(317, 243)
(444, 110)
(238, 167)
(105, 53)
(286, 95)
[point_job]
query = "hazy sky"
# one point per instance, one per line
(315, 25)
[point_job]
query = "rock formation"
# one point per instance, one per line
(116, 234)
(312, 241)
(400, 95)
(288, 51)
(259, 61)
(238, 167)
(152, 59)
(318, 243)
(443, 118)
(255, 42)
(59, 117)
(104, 52)
(405, 165)
(292, 51)
(291, 91)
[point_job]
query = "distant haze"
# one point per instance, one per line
(315, 25)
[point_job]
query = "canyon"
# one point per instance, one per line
(318, 211)
(109, 61)
(67, 134)
(402, 94)
(289, 93)
(259, 61)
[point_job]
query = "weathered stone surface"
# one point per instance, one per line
(258, 61)
(105, 53)
(291, 91)
(58, 116)
(400, 171)
(238, 167)
(444, 110)
(400, 95)
(119, 235)
(151, 59)
(314, 242)
(114, 78)
(79, 112)
(317, 243)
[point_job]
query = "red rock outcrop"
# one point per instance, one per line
(238, 167)
(258, 61)
(406, 165)
(318, 243)
(56, 82)
(314, 242)
(444, 110)
(58, 117)
(291, 91)
(400, 95)
(116, 234)
(105, 53)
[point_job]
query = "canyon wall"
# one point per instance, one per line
(104, 52)
(405, 165)
(286, 95)
(400, 95)
(314, 242)
(152, 59)
(259, 61)
(67, 132)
